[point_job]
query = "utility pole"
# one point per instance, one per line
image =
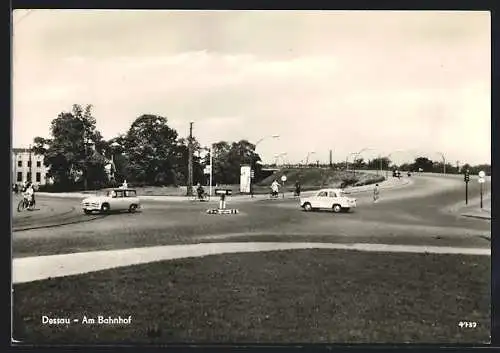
(211, 169)
(331, 162)
(85, 181)
(190, 162)
(30, 179)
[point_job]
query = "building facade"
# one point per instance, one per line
(28, 166)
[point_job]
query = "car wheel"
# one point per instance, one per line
(105, 208)
(87, 211)
(132, 208)
(307, 207)
(336, 208)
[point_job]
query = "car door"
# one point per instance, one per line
(332, 199)
(118, 201)
(335, 198)
(322, 200)
(130, 198)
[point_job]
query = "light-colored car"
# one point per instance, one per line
(332, 199)
(120, 199)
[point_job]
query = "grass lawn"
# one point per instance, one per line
(307, 296)
(310, 178)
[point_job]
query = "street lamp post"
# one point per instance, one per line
(389, 161)
(356, 155)
(113, 146)
(253, 159)
(308, 155)
(30, 166)
(211, 170)
(444, 162)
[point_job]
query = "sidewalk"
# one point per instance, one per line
(473, 209)
(29, 269)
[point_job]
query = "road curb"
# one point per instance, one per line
(54, 225)
(476, 216)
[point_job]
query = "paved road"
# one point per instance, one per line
(48, 212)
(413, 215)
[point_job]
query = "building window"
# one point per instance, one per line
(38, 164)
(38, 177)
(29, 164)
(19, 163)
(19, 176)
(28, 177)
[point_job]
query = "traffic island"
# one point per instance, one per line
(222, 203)
(223, 211)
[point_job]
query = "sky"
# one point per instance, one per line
(376, 82)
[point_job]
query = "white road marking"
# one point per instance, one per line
(30, 269)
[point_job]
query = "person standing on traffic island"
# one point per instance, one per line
(376, 194)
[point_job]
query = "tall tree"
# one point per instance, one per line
(228, 158)
(152, 149)
(379, 163)
(74, 153)
(424, 163)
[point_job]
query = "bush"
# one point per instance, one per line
(370, 180)
(348, 180)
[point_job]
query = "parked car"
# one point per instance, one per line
(118, 199)
(332, 199)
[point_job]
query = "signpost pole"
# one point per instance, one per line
(211, 158)
(482, 175)
(283, 179)
(466, 193)
(481, 188)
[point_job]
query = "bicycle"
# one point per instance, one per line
(273, 195)
(200, 198)
(25, 204)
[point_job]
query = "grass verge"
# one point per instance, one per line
(307, 296)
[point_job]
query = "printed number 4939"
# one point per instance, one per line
(467, 324)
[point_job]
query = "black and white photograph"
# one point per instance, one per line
(250, 177)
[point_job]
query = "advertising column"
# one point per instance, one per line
(245, 175)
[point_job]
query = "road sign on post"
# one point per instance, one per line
(481, 182)
(222, 203)
(283, 179)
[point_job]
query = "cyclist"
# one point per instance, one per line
(29, 194)
(201, 192)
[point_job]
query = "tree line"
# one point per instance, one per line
(153, 153)
(149, 153)
(420, 163)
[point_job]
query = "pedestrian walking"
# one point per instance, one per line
(297, 188)
(275, 189)
(376, 194)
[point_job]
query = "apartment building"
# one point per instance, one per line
(28, 166)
